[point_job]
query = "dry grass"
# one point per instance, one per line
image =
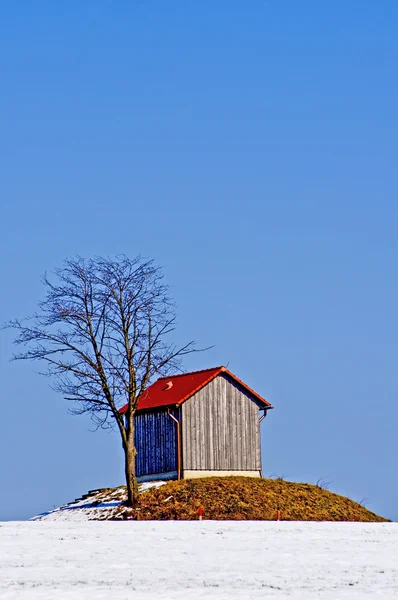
(244, 498)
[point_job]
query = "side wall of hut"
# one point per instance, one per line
(221, 430)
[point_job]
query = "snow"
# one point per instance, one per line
(150, 484)
(97, 505)
(192, 559)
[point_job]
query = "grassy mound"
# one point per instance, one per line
(244, 498)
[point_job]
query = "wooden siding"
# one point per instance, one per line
(156, 443)
(220, 429)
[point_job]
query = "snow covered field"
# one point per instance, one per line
(208, 559)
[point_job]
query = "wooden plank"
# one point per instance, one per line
(224, 424)
(211, 420)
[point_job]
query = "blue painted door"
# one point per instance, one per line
(156, 442)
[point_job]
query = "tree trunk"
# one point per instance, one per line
(130, 453)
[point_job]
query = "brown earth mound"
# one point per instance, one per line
(244, 498)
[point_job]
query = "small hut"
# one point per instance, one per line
(200, 424)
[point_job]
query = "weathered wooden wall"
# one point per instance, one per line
(156, 443)
(220, 429)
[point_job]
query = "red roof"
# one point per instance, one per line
(176, 389)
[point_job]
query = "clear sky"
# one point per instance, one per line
(250, 148)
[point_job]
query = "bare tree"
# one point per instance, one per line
(103, 333)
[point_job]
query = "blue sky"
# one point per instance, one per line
(251, 150)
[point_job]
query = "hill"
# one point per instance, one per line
(221, 498)
(242, 498)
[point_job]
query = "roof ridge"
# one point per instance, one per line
(191, 372)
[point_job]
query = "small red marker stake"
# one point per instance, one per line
(278, 515)
(200, 513)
